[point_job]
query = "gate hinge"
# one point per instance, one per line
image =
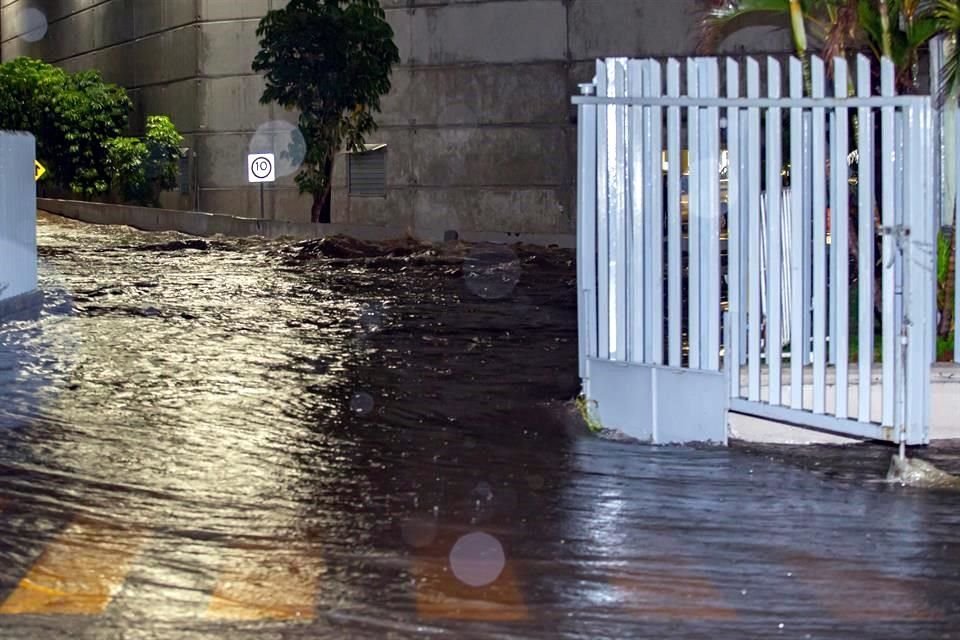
(899, 233)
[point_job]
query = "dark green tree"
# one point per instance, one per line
(331, 61)
(71, 115)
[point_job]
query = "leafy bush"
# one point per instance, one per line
(141, 169)
(126, 158)
(71, 115)
(163, 152)
(88, 113)
(78, 121)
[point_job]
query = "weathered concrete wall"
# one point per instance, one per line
(479, 128)
(197, 223)
(189, 59)
(18, 226)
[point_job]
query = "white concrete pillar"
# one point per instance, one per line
(18, 221)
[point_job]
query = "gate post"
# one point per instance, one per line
(586, 232)
(919, 272)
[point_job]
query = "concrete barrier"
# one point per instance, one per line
(197, 223)
(18, 224)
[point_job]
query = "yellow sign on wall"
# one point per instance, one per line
(38, 170)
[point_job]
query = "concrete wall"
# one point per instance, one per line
(479, 126)
(18, 227)
(197, 223)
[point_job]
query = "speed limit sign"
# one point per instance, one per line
(261, 167)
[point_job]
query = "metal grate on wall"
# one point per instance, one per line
(367, 172)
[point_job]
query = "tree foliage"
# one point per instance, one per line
(77, 120)
(71, 115)
(126, 160)
(896, 29)
(331, 61)
(142, 168)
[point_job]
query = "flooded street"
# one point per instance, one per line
(238, 439)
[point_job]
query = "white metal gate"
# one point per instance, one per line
(672, 331)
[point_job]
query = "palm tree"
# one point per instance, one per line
(946, 14)
(895, 29)
(725, 14)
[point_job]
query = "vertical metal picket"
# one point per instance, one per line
(694, 214)
(820, 264)
(797, 264)
(866, 236)
(586, 229)
(618, 216)
(956, 257)
(753, 235)
(806, 237)
(636, 298)
(839, 242)
(889, 250)
(709, 164)
(744, 232)
(603, 218)
(920, 269)
(674, 220)
(734, 176)
(654, 145)
(774, 239)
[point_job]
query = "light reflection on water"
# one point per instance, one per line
(367, 438)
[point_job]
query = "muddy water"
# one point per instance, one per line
(245, 439)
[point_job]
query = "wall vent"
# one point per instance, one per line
(367, 172)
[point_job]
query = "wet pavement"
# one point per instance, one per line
(241, 440)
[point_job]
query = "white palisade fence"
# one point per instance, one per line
(772, 298)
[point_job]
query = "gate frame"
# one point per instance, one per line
(906, 395)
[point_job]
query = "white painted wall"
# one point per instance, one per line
(18, 215)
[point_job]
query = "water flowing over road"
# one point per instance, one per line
(244, 439)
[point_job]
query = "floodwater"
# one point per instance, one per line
(242, 440)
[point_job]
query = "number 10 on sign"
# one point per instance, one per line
(261, 168)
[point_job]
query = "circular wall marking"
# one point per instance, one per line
(285, 141)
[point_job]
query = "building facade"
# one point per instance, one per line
(478, 128)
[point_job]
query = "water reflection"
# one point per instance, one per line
(356, 448)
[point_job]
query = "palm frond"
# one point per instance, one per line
(719, 21)
(947, 15)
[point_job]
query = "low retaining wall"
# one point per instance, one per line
(198, 223)
(18, 223)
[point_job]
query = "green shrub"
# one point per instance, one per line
(71, 115)
(163, 152)
(141, 169)
(126, 158)
(78, 121)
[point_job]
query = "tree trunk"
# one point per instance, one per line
(321, 209)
